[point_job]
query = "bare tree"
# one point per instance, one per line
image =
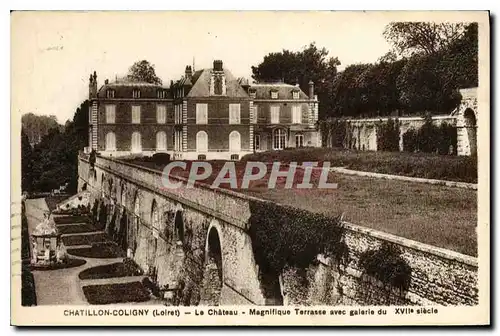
(409, 38)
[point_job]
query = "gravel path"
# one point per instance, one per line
(60, 287)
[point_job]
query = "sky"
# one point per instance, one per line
(53, 53)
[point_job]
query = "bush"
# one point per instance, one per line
(386, 265)
(161, 158)
(284, 236)
(388, 135)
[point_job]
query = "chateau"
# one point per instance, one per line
(207, 114)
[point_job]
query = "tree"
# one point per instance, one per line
(299, 67)
(410, 38)
(54, 161)
(143, 71)
(26, 162)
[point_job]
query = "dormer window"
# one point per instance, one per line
(295, 94)
(274, 94)
(161, 94)
(136, 93)
(252, 93)
(110, 93)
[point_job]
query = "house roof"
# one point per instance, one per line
(124, 89)
(263, 90)
(201, 85)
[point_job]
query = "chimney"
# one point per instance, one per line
(218, 65)
(92, 85)
(189, 72)
(106, 82)
(311, 89)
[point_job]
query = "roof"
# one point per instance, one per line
(263, 90)
(124, 89)
(201, 85)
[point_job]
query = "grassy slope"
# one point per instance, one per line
(435, 215)
(444, 167)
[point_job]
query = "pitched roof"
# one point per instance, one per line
(201, 85)
(124, 89)
(263, 90)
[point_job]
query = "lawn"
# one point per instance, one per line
(53, 201)
(76, 228)
(432, 214)
(425, 165)
(116, 293)
(70, 219)
(85, 239)
(99, 250)
(115, 270)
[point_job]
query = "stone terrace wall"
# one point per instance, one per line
(438, 276)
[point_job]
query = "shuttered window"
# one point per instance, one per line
(234, 113)
(161, 114)
(201, 113)
(275, 114)
(296, 114)
(110, 114)
(136, 114)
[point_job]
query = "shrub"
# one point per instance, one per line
(131, 267)
(284, 236)
(386, 265)
(388, 135)
(410, 140)
(161, 158)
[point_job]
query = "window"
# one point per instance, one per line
(201, 141)
(202, 157)
(136, 142)
(234, 113)
(110, 93)
(279, 138)
(110, 114)
(178, 140)
(296, 114)
(255, 114)
(110, 141)
(234, 141)
(275, 114)
(299, 140)
(136, 93)
(136, 114)
(201, 113)
(218, 85)
(178, 114)
(295, 94)
(161, 141)
(274, 94)
(235, 157)
(160, 94)
(256, 142)
(161, 114)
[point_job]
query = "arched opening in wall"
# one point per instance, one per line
(153, 240)
(202, 141)
(470, 124)
(123, 195)
(234, 142)
(179, 228)
(84, 187)
(134, 226)
(212, 275)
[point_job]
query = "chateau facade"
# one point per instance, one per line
(208, 114)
